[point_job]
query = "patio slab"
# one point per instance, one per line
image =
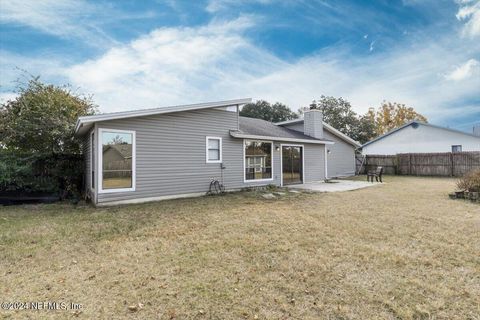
(334, 185)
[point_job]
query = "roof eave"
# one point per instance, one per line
(341, 135)
(257, 137)
(162, 110)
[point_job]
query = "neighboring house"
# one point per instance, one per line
(420, 137)
(176, 151)
(340, 155)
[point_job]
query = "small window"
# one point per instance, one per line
(457, 148)
(214, 149)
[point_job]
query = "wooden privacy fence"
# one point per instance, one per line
(421, 164)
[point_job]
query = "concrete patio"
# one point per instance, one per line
(334, 185)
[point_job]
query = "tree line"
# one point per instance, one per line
(42, 117)
(339, 113)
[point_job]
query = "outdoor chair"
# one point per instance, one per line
(377, 174)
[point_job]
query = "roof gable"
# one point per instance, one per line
(327, 127)
(252, 127)
(411, 123)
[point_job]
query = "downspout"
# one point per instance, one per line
(326, 166)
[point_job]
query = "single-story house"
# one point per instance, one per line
(340, 155)
(176, 151)
(421, 137)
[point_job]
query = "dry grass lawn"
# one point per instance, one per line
(398, 251)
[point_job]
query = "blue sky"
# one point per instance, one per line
(141, 54)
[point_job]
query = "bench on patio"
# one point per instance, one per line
(377, 174)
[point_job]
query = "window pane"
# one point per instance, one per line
(213, 144)
(258, 160)
(117, 160)
(213, 155)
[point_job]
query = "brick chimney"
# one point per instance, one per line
(313, 123)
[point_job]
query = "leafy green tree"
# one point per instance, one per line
(264, 110)
(337, 112)
(42, 118)
(364, 131)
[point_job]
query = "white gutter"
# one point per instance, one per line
(147, 112)
(255, 137)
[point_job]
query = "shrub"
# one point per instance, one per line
(52, 174)
(470, 181)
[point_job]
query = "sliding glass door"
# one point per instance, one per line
(292, 164)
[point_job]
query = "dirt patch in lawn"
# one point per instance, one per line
(403, 250)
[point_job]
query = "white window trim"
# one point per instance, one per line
(206, 149)
(92, 164)
(281, 160)
(245, 174)
(100, 161)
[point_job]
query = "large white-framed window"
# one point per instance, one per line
(92, 160)
(116, 160)
(257, 160)
(213, 149)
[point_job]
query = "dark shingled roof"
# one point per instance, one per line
(258, 127)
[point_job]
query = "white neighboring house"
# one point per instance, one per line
(420, 137)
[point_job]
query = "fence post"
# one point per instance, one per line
(396, 164)
(410, 164)
(452, 165)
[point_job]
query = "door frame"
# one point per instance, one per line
(281, 160)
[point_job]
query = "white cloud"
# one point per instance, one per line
(5, 96)
(217, 5)
(15, 67)
(174, 65)
(469, 12)
(217, 61)
(63, 18)
(464, 71)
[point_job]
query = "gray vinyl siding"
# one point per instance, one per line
(341, 161)
(171, 155)
(314, 162)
